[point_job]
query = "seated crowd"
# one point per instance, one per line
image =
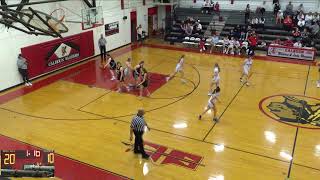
(304, 26)
(191, 26)
(209, 6)
(238, 41)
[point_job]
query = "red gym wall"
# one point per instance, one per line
(52, 55)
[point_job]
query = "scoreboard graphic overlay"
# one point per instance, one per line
(26, 163)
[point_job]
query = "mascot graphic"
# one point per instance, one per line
(295, 110)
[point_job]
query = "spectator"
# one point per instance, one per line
(237, 32)
(305, 37)
(301, 21)
(206, 6)
(314, 29)
(214, 41)
(296, 34)
(225, 44)
(247, 14)
(253, 40)
(188, 30)
(139, 32)
(198, 27)
(183, 26)
(217, 8)
(254, 23)
(276, 8)
(300, 9)
(262, 44)
(249, 32)
(297, 44)
(230, 48)
(23, 69)
(289, 9)
(243, 32)
(288, 42)
(263, 8)
(308, 19)
(316, 17)
(244, 47)
(202, 44)
(237, 47)
(261, 23)
(279, 17)
(287, 23)
(231, 34)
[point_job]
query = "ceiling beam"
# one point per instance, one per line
(29, 3)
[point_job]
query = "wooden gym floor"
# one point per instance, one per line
(78, 114)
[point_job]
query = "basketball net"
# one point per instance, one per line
(54, 24)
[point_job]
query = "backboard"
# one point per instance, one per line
(92, 17)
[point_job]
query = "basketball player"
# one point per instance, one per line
(120, 77)
(212, 104)
(143, 85)
(318, 82)
(216, 78)
(128, 71)
(137, 72)
(111, 64)
(179, 69)
(246, 68)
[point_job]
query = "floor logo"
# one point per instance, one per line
(163, 155)
(295, 110)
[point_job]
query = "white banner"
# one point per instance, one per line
(291, 52)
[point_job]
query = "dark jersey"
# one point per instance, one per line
(137, 72)
(146, 81)
(120, 72)
(112, 64)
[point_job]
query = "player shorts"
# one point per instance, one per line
(178, 68)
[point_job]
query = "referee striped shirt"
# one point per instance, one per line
(138, 123)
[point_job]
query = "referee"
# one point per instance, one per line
(102, 46)
(137, 127)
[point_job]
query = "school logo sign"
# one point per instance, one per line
(294, 110)
(62, 52)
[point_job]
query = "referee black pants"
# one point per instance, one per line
(103, 52)
(138, 143)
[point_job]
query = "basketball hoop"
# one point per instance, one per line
(56, 24)
(56, 13)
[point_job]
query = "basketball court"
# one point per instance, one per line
(266, 131)
(77, 114)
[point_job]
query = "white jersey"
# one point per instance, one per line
(180, 65)
(127, 69)
(213, 99)
(216, 76)
(247, 66)
(231, 43)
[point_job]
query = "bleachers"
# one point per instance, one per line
(175, 34)
(271, 32)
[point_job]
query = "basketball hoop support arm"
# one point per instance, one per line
(90, 5)
(45, 22)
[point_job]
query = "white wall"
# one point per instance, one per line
(12, 41)
(310, 5)
(161, 17)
